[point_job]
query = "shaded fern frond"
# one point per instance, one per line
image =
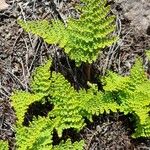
(52, 32)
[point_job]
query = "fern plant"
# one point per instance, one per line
(83, 38)
(126, 94)
(132, 93)
(70, 109)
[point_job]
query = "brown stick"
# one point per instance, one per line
(87, 70)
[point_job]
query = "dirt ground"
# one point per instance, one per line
(21, 52)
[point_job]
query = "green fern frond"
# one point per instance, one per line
(71, 107)
(60, 88)
(137, 73)
(90, 33)
(95, 102)
(142, 130)
(38, 136)
(113, 82)
(138, 103)
(132, 93)
(21, 101)
(40, 79)
(66, 104)
(68, 145)
(40, 85)
(83, 38)
(68, 116)
(3, 145)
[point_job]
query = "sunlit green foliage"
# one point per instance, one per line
(128, 94)
(82, 39)
(3, 145)
(70, 108)
(133, 95)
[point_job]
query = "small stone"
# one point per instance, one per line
(3, 5)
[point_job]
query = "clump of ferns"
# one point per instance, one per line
(132, 93)
(129, 94)
(70, 108)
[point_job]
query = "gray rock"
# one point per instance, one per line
(138, 12)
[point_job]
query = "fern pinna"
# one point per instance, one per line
(133, 94)
(83, 38)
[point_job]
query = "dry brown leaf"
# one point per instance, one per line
(3, 5)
